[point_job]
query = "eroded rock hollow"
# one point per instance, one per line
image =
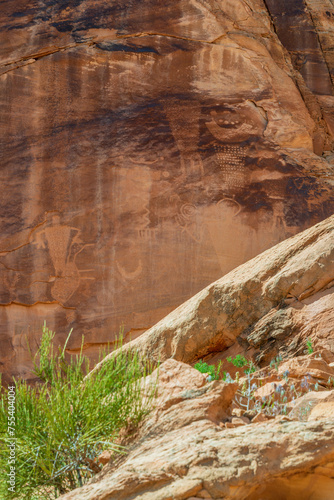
(148, 148)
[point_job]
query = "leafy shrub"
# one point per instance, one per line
(241, 361)
(66, 420)
(238, 361)
(213, 372)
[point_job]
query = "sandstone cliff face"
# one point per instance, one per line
(148, 148)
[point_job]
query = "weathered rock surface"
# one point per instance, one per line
(271, 304)
(299, 367)
(305, 406)
(181, 452)
(148, 148)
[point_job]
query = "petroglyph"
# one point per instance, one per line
(144, 231)
(60, 241)
(186, 220)
(130, 275)
(188, 211)
(235, 124)
(148, 233)
(230, 203)
(231, 160)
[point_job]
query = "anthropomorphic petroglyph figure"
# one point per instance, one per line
(59, 240)
(232, 126)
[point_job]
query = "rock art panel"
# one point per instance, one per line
(145, 153)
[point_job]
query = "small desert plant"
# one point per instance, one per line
(211, 370)
(248, 388)
(282, 396)
(274, 363)
(66, 420)
(309, 346)
(330, 381)
(275, 404)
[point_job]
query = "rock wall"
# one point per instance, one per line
(148, 148)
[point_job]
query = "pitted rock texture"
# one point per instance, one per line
(182, 453)
(148, 148)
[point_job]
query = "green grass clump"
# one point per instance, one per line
(66, 420)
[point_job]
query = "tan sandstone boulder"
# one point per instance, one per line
(184, 395)
(304, 366)
(302, 407)
(323, 411)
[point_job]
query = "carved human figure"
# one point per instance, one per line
(59, 239)
(231, 126)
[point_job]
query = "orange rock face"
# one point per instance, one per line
(148, 149)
